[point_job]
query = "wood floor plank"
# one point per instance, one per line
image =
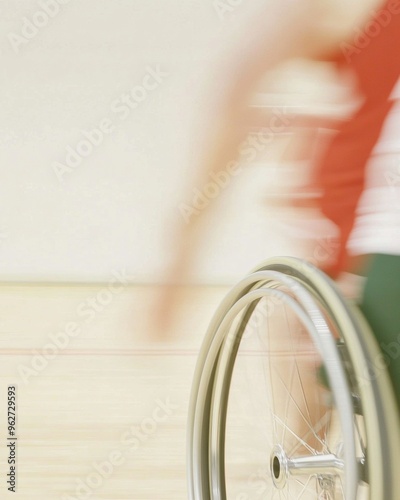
(105, 417)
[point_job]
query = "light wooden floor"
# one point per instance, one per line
(105, 417)
(111, 394)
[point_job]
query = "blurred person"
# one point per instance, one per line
(360, 37)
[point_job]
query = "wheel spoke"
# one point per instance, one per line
(301, 413)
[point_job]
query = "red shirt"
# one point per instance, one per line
(374, 57)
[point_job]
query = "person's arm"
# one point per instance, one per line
(287, 29)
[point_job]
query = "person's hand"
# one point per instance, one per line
(170, 292)
(163, 316)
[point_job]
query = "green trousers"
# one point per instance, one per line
(380, 304)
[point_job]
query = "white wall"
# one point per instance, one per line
(110, 211)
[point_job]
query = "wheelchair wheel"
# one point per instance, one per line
(261, 423)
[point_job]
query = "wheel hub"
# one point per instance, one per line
(324, 467)
(279, 467)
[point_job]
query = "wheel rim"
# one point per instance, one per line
(298, 472)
